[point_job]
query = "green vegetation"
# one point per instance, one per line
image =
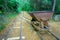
(9, 9)
(6, 19)
(28, 5)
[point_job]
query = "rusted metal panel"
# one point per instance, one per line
(41, 15)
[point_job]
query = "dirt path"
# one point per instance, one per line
(27, 33)
(55, 28)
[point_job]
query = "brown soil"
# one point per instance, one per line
(28, 31)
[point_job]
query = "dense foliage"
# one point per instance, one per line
(27, 5)
(10, 8)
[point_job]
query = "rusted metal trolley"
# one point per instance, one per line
(42, 17)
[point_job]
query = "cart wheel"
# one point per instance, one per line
(46, 28)
(36, 25)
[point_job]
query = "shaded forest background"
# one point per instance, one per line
(9, 9)
(28, 5)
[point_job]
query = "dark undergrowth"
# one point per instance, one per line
(6, 19)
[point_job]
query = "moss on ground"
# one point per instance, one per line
(6, 20)
(2, 27)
